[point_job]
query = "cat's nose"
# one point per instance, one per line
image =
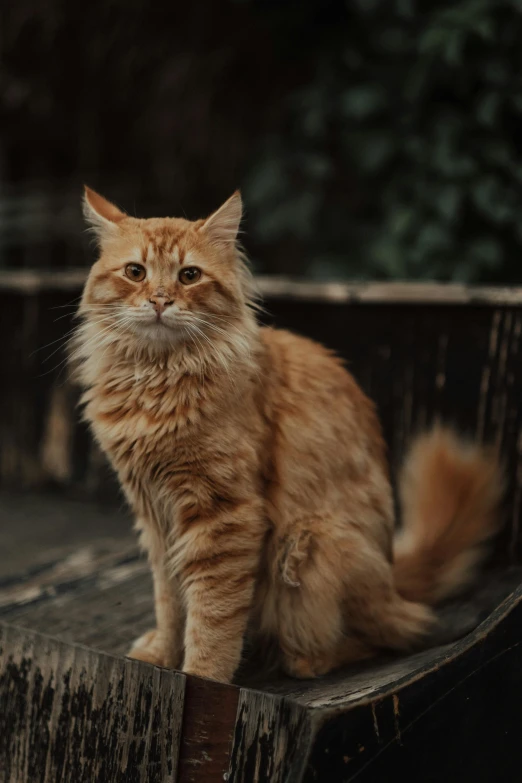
(160, 302)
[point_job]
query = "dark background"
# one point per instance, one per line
(371, 139)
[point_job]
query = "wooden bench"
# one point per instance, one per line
(74, 591)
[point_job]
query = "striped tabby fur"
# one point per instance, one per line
(255, 464)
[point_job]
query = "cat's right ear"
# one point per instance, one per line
(102, 216)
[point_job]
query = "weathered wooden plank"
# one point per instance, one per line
(402, 292)
(69, 570)
(208, 730)
(71, 714)
(38, 529)
(33, 281)
(104, 610)
(271, 740)
(455, 720)
(67, 713)
(100, 595)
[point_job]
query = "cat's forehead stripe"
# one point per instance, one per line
(136, 255)
(156, 251)
(189, 259)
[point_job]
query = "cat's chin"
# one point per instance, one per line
(160, 332)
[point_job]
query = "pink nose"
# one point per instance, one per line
(160, 302)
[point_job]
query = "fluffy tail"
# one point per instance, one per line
(451, 494)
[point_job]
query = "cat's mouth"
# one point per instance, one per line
(160, 322)
(159, 326)
(156, 318)
(167, 325)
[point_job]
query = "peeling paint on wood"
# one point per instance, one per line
(72, 714)
(208, 731)
(375, 723)
(255, 757)
(396, 717)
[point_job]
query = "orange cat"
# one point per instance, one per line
(255, 465)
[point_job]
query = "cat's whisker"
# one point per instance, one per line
(115, 323)
(106, 331)
(76, 315)
(73, 303)
(118, 331)
(100, 306)
(72, 314)
(214, 316)
(195, 317)
(212, 326)
(75, 306)
(63, 339)
(229, 336)
(216, 352)
(197, 346)
(255, 304)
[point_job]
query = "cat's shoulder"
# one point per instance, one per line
(296, 345)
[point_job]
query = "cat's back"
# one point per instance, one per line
(327, 454)
(311, 389)
(306, 368)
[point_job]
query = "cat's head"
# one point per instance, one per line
(165, 281)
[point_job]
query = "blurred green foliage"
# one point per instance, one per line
(401, 155)
(371, 138)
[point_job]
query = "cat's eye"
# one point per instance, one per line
(135, 272)
(189, 274)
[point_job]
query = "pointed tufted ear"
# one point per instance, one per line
(223, 225)
(102, 216)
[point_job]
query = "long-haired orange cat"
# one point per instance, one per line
(255, 465)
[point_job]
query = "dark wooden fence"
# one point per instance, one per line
(72, 708)
(422, 352)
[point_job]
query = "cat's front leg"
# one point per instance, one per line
(162, 645)
(218, 579)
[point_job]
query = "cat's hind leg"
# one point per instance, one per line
(303, 604)
(336, 602)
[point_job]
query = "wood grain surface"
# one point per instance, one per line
(72, 714)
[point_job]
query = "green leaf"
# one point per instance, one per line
(362, 102)
(447, 199)
(375, 151)
(487, 108)
(486, 251)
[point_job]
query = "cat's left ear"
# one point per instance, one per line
(101, 214)
(223, 225)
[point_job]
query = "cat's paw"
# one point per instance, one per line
(306, 667)
(152, 648)
(148, 649)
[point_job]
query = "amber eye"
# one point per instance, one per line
(135, 272)
(190, 274)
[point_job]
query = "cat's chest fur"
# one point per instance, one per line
(144, 419)
(158, 429)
